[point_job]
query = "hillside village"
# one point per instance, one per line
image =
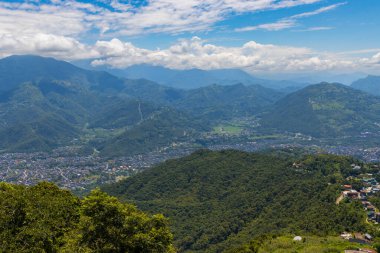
(369, 187)
(365, 186)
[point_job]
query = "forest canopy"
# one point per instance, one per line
(45, 218)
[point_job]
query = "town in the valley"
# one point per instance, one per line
(72, 170)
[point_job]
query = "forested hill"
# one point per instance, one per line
(325, 110)
(220, 200)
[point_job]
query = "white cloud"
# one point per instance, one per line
(276, 26)
(318, 11)
(316, 28)
(46, 45)
(186, 54)
(197, 53)
(74, 18)
(291, 21)
(372, 62)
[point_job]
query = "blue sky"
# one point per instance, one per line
(259, 36)
(353, 26)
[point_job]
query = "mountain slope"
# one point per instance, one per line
(29, 122)
(15, 70)
(214, 102)
(159, 130)
(52, 103)
(370, 84)
(325, 110)
(153, 92)
(216, 200)
(218, 102)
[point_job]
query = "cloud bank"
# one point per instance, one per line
(187, 54)
(197, 53)
(58, 28)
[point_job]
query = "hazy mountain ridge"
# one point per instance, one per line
(196, 78)
(370, 84)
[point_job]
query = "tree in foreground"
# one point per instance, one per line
(45, 218)
(106, 225)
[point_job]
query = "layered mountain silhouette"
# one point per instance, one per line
(46, 103)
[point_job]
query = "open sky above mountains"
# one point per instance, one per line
(259, 36)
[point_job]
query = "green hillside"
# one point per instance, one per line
(220, 200)
(158, 130)
(52, 103)
(308, 244)
(217, 102)
(325, 110)
(214, 102)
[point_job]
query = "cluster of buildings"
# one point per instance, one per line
(357, 237)
(370, 187)
(70, 170)
(364, 153)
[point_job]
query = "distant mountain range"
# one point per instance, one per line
(370, 84)
(46, 103)
(196, 78)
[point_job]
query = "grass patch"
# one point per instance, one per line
(228, 129)
(309, 244)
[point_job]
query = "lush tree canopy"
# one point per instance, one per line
(44, 218)
(219, 200)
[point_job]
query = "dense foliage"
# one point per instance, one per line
(216, 200)
(44, 218)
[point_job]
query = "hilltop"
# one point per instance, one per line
(220, 200)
